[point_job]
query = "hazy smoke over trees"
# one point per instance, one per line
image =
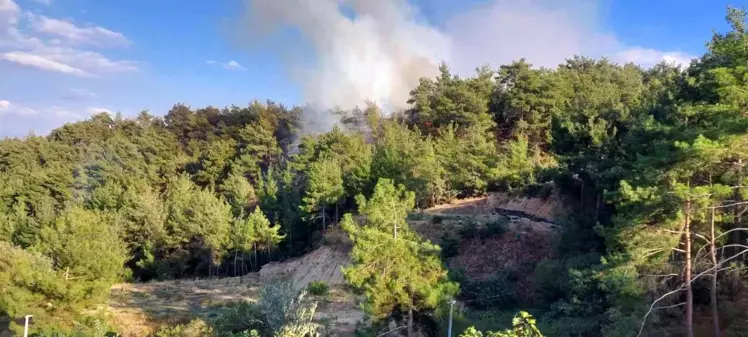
(377, 50)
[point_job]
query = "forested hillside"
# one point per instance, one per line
(652, 161)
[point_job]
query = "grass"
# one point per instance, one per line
(318, 288)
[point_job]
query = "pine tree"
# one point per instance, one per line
(324, 188)
(396, 269)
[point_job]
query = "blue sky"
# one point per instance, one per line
(61, 60)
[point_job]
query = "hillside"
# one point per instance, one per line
(140, 308)
(137, 309)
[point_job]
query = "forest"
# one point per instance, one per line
(654, 160)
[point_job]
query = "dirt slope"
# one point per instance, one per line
(540, 209)
(139, 309)
(324, 264)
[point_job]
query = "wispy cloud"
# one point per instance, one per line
(41, 62)
(230, 65)
(45, 2)
(71, 33)
(76, 94)
(62, 53)
(649, 57)
(8, 108)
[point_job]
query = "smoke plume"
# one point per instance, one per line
(377, 50)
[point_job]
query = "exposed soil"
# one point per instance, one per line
(139, 309)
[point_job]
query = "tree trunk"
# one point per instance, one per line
(236, 254)
(242, 268)
(337, 219)
(254, 245)
(738, 215)
(687, 273)
(713, 290)
(323, 220)
(210, 264)
(410, 322)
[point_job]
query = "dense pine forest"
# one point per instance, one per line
(652, 161)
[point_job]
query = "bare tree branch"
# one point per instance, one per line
(683, 286)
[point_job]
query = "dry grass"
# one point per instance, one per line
(140, 309)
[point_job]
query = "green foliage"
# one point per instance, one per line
(285, 312)
(470, 158)
(318, 288)
(385, 250)
(277, 303)
(450, 99)
(325, 187)
(238, 192)
(497, 227)
(195, 328)
(236, 318)
(633, 152)
(523, 325)
(450, 246)
(403, 156)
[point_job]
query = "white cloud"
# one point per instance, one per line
(8, 108)
(37, 61)
(90, 61)
(230, 65)
(537, 30)
(8, 6)
(68, 31)
(79, 94)
(8, 19)
(60, 54)
(650, 57)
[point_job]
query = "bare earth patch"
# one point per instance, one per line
(140, 309)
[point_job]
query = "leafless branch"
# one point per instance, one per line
(670, 306)
(393, 330)
(683, 286)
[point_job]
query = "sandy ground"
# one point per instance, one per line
(138, 309)
(542, 208)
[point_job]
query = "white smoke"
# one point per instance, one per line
(377, 55)
(377, 50)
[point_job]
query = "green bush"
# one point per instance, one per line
(318, 288)
(238, 317)
(450, 246)
(470, 230)
(437, 219)
(195, 328)
(497, 227)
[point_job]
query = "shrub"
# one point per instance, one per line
(437, 219)
(195, 328)
(499, 291)
(277, 300)
(318, 288)
(237, 318)
(450, 246)
(471, 230)
(497, 227)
